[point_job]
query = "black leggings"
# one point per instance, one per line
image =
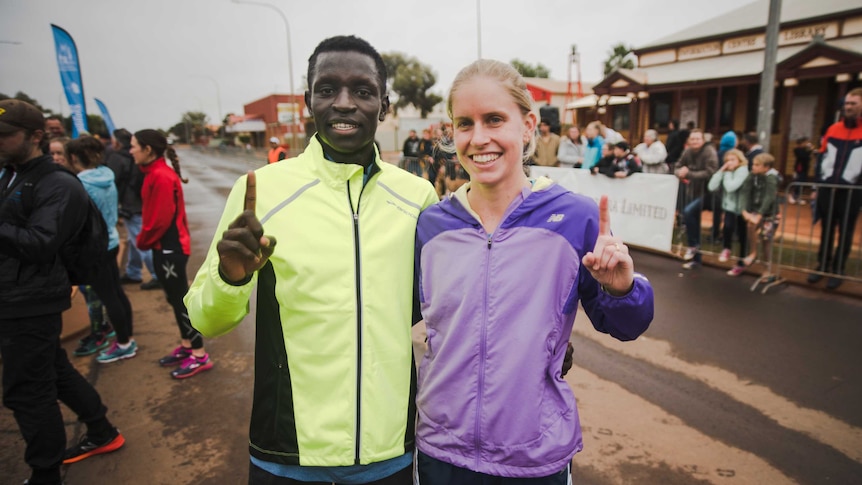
(735, 223)
(109, 289)
(171, 272)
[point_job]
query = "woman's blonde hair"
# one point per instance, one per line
(510, 78)
(739, 156)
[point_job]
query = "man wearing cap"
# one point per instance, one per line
(277, 152)
(34, 292)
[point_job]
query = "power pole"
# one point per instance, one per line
(767, 78)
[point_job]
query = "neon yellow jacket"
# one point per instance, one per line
(334, 375)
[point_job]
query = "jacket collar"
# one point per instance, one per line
(333, 172)
(153, 165)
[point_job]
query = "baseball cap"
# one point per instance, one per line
(624, 146)
(18, 115)
(273, 139)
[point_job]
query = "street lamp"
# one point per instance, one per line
(479, 27)
(295, 117)
(218, 93)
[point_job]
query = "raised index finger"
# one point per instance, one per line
(604, 217)
(250, 191)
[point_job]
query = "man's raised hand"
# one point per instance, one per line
(609, 262)
(243, 248)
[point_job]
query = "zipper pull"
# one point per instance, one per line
(489, 240)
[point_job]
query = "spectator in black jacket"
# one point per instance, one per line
(676, 139)
(129, 179)
(34, 291)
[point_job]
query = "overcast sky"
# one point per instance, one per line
(150, 61)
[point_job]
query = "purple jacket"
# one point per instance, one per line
(499, 311)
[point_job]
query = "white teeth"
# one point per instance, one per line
(343, 126)
(490, 157)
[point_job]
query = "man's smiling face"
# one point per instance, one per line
(347, 102)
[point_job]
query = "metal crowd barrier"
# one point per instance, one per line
(796, 245)
(412, 165)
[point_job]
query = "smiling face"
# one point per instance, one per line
(347, 102)
(490, 133)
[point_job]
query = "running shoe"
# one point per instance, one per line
(91, 344)
(115, 353)
(724, 256)
(690, 265)
(689, 253)
(192, 366)
(736, 270)
(87, 447)
(176, 357)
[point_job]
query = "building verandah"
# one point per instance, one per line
(712, 79)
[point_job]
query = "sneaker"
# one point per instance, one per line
(690, 265)
(87, 447)
(814, 278)
(176, 357)
(833, 283)
(736, 270)
(191, 366)
(91, 344)
(153, 284)
(127, 280)
(116, 353)
(724, 256)
(689, 254)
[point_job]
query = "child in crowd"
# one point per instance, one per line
(758, 200)
(731, 176)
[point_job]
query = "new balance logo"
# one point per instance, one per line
(556, 218)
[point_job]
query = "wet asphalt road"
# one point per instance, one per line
(727, 386)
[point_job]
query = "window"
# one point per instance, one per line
(660, 110)
(621, 117)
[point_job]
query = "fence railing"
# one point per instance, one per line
(816, 234)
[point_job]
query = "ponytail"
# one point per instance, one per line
(171, 155)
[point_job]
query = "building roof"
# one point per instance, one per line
(746, 64)
(754, 16)
(554, 86)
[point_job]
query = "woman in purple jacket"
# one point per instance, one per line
(500, 277)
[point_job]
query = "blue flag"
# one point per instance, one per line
(109, 123)
(70, 75)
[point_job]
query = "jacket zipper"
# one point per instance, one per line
(482, 350)
(358, 265)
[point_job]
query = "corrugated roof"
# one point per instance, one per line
(728, 66)
(754, 16)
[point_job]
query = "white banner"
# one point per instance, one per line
(642, 206)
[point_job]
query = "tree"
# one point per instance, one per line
(410, 81)
(95, 123)
(620, 57)
(528, 70)
(192, 126)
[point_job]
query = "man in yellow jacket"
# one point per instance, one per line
(334, 375)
